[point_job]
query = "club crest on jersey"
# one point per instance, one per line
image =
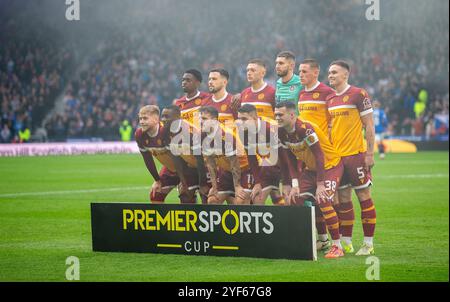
(198, 102)
(159, 142)
(345, 99)
(367, 103)
(261, 96)
(146, 141)
(223, 107)
(292, 88)
(316, 95)
(312, 139)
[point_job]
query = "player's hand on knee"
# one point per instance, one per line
(213, 192)
(321, 193)
(157, 187)
(204, 190)
(213, 200)
(286, 191)
(256, 193)
(293, 194)
(240, 193)
(182, 188)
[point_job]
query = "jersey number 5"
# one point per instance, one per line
(360, 171)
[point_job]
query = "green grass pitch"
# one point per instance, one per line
(45, 217)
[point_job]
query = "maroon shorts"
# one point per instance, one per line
(308, 184)
(308, 181)
(355, 175)
(168, 179)
(191, 176)
(270, 178)
(225, 184)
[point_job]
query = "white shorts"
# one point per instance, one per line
(379, 136)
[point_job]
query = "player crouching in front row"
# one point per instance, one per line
(231, 177)
(323, 168)
(151, 138)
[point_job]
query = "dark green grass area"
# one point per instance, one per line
(45, 204)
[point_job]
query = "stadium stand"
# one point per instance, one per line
(138, 57)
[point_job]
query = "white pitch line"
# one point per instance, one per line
(72, 191)
(411, 176)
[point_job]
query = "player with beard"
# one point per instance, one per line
(226, 160)
(288, 85)
(220, 98)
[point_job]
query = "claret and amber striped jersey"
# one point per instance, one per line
(263, 144)
(302, 138)
(223, 143)
(156, 145)
(263, 99)
(312, 105)
(226, 112)
(346, 110)
(182, 141)
(189, 106)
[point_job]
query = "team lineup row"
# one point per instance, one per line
(302, 134)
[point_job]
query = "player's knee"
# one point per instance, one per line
(363, 194)
(241, 201)
(345, 195)
(188, 198)
(298, 201)
(157, 197)
(215, 200)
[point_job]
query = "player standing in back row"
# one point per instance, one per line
(288, 85)
(262, 96)
(312, 107)
(351, 111)
(191, 102)
(220, 99)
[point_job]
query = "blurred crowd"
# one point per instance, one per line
(33, 71)
(141, 57)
